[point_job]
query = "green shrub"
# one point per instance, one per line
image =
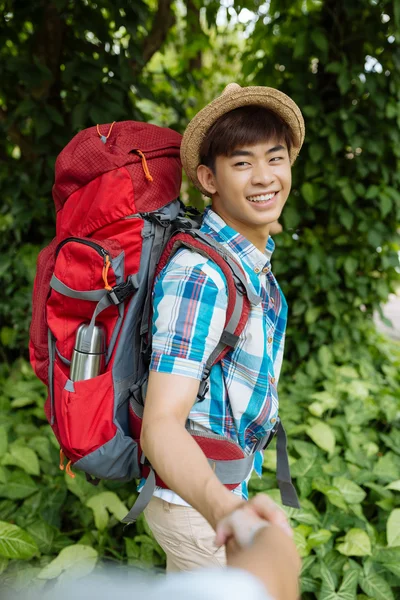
(341, 410)
(43, 511)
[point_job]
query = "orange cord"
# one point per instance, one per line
(106, 267)
(109, 131)
(68, 470)
(145, 166)
(62, 459)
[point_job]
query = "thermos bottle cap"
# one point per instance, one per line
(97, 341)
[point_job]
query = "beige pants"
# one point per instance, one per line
(185, 536)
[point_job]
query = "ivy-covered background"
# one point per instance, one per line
(68, 64)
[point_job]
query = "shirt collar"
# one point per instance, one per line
(239, 246)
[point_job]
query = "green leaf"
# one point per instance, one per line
(316, 152)
(291, 217)
(348, 194)
(389, 558)
(16, 543)
(395, 485)
(42, 124)
(356, 543)
(320, 40)
(386, 204)
(19, 485)
(309, 193)
(348, 588)
(352, 493)
(346, 218)
(322, 435)
(350, 265)
(327, 577)
(23, 457)
(103, 502)
(301, 541)
(3, 440)
(80, 487)
(77, 561)
(376, 587)
(393, 528)
(319, 538)
(334, 143)
(43, 534)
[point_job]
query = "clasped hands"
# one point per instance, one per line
(239, 529)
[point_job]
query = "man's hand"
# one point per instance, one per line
(243, 523)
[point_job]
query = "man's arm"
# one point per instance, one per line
(190, 301)
(172, 451)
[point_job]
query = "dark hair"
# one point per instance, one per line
(244, 126)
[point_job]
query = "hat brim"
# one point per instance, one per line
(269, 98)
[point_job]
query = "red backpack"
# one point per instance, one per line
(118, 221)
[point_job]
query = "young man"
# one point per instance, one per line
(238, 150)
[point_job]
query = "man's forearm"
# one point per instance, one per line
(184, 468)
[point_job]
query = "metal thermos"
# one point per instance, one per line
(86, 364)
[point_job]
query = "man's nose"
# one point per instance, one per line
(262, 174)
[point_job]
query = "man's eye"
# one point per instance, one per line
(241, 164)
(277, 158)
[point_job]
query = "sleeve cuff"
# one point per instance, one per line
(165, 363)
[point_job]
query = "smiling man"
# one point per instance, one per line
(238, 151)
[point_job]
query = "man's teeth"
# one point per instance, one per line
(262, 198)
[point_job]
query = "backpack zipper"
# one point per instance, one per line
(99, 249)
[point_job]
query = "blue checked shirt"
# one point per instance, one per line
(190, 301)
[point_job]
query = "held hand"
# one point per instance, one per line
(240, 527)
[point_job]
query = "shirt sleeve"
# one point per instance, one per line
(214, 584)
(189, 311)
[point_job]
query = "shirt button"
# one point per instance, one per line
(273, 420)
(265, 269)
(273, 300)
(256, 270)
(272, 379)
(270, 340)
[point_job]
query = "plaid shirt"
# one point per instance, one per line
(190, 301)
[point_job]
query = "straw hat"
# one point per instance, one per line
(233, 97)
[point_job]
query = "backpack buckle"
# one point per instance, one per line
(204, 385)
(119, 293)
(160, 219)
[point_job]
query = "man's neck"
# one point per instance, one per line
(257, 236)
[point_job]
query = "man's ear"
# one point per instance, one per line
(206, 178)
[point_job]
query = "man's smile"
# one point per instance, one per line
(262, 197)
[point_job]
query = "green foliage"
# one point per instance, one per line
(68, 65)
(348, 527)
(61, 525)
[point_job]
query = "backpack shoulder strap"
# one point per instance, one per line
(240, 295)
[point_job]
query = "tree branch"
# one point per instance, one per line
(162, 22)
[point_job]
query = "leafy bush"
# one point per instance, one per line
(43, 511)
(342, 414)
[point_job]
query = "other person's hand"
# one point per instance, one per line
(243, 523)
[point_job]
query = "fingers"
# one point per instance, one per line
(243, 523)
(267, 509)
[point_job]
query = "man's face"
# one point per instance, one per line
(250, 186)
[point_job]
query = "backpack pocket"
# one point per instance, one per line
(85, 270)
(83, 412)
